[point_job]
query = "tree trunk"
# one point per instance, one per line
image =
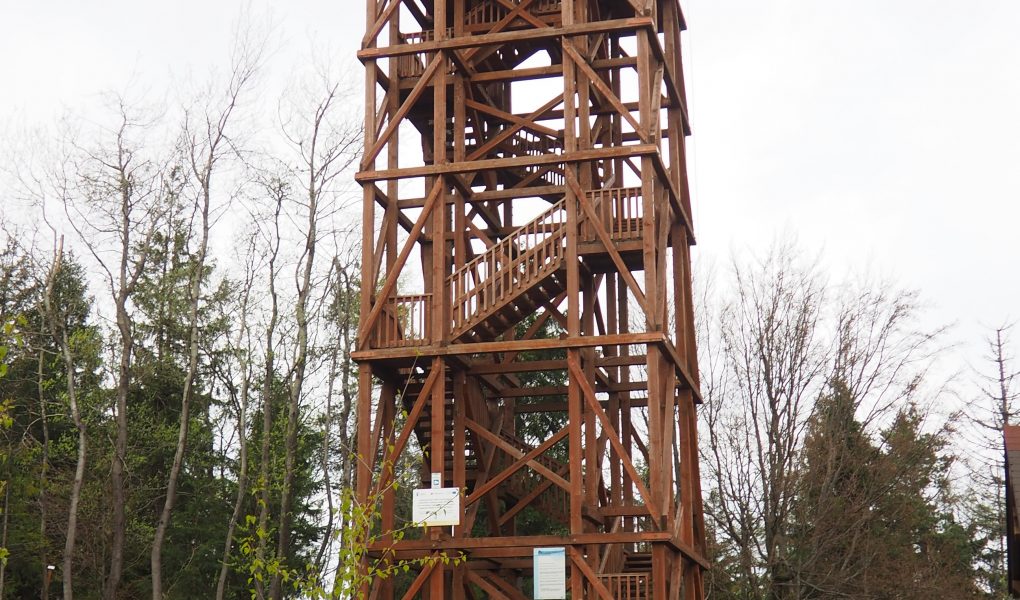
(119, 518)
(203, 164)
(58, 329)
(297, 383)
(123, 287)
(43, 472)
(267, 397)
(156, 556)
(242, 484)
(242, 434)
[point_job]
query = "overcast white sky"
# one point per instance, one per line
(885, 133)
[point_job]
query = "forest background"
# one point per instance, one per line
(179, 277)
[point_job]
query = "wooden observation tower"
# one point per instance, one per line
(530, 334)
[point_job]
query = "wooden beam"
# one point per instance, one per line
(373, 32)
(528, 73)
(523, 459)
(409, 425)
(405, 107)
(626, 339)
(510, 37)
(527, 122)
(595, 80)
(526, 542)
(596, 224)
(589, 395)
(422, 577)
(578, 559)
(393, 273)
(487, 587)
(509, 163)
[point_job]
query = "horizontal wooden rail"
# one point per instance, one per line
(515, 36)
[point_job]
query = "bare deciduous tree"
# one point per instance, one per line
(114, 200)
(206, 144)
(783, 338)
(58, 329)
(325, 147)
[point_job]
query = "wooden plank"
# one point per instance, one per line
(510, 37)
(629, 339)
(526, 541)
(562, 406)
(495, 164)
(560, 390)
(530, 366)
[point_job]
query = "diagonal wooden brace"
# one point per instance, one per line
(394, 271)
(412, 99)
(607, 426)
(593, 579)
(405, 433)
(523, 459)
(603, 89)
(603, 235)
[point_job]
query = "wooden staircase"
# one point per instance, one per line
(423, 432)
(525, 484)
(508, 282)
(513, 278)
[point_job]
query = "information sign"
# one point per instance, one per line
(550, 573)
(436, 507)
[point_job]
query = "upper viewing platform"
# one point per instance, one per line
(542, 103)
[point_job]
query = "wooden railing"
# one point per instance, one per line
(530, 252)
(628, 586)
(620, 210)
(527, 143)
(544, 7)
(490, 11)
(405, 321)
(485, 13)
(413, 65)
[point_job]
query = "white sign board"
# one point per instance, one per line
(550, 573)
(436, 507)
